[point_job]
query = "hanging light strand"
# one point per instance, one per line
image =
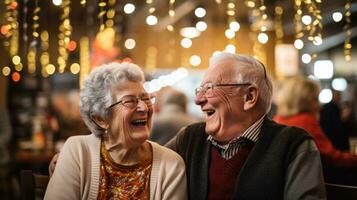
(45, 56)
(315, 28)
(170, 27)
(279, 32)
(347, 29)
(152, 9)
(110, 14)
(102, 11)
(31, 54)
(64, 35)
(297, 18)
(14, 41)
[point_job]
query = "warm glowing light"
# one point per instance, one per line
(299, 44)
(151, 20)
(201, 26)
(4, 29)
(14, 5)
(50, 69)
(75, 68)
(306, 19)
(337, 16)
(200, 12)
(72, 45)
(306, 58)
(323, 69)
(195, 60)
(6, 71)
(130, 43)
(339, 84)
(186, 43)
(57, 2)
(250, 4)
(230, 48)
(235, 26)
(16, 60)
(325, 96)
(263, 38)
(19, 67)
(190, 32)
(230, 33)
(317, 41)
(129, 8)
(16, 76)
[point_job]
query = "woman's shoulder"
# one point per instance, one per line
(79, 140)
(165, 153)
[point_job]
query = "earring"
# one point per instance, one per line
(106, 132)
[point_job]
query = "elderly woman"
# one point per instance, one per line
(116, 161)
(298, 105)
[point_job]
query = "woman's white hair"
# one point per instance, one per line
(96, 97)
(250, 70)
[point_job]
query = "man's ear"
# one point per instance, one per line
(251, 97)
(99, 121)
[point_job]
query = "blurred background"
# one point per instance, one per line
(49, 46)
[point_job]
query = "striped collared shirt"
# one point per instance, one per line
(229, 150)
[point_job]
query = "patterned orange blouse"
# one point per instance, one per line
(123, 182)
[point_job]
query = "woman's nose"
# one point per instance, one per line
(142, 106)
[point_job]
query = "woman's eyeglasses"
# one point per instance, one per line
(131, 101)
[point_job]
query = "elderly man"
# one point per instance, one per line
(238, 153)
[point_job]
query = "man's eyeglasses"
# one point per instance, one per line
(131, 101)
(207, 89)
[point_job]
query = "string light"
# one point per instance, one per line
(347, 29)
(83, 59)
(102, 11)
(170, 27)
(151, 19)
(64, 35)
(279, 32)
(45, 56)
(298, 25)
(110, 14)
(315, 28)
(31, 54)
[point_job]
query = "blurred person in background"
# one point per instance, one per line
(298, 105)
(172, 117)
(331, 122)
(117, 161)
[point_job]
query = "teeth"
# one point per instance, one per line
(139, 121)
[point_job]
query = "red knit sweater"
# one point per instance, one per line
(329, 154)
(223, 173)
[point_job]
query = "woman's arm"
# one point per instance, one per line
(65, 181)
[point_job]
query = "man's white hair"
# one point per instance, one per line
(250, 70)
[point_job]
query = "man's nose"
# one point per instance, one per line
(200, 99)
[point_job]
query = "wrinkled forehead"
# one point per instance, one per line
(224, 70)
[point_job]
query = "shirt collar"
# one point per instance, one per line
(251, 133)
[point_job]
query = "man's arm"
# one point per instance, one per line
(304, 175)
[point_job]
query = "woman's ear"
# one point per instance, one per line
(251, 97)
(99, 121)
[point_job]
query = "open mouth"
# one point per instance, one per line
(139, 122)
(209, 112)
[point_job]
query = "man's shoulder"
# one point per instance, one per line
(284, 131)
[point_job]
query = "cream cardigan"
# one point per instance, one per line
(77, 172)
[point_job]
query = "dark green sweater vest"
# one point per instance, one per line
(262, 175)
